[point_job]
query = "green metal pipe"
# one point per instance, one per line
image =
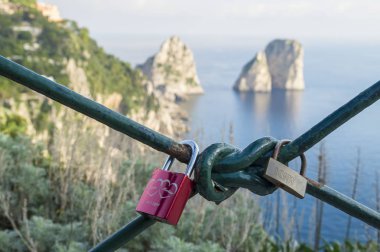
(331, 123)
(344, 203)
(124, 235)
(69, 98)
(160, 142)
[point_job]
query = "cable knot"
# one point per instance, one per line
(240, 168)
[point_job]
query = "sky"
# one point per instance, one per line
(339, 20)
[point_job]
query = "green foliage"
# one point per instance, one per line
(174, 243)
(52, 235)
(55, 42)
(10, 242)
(13, 43)
(24, 36)
(34, 186)
(12, 124)
(29, 3)
(285, 246)
(191, 82)
(33, 193)
(41, 121)
(59, 42)
(350, 246)
(20, 179)
(49, 236)
(168, 70)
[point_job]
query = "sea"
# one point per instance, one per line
(335, 72)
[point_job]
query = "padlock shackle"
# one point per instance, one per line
(302, 155)
(194, 154)
(168, 163)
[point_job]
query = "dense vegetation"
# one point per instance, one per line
(32, 40)
(69, 195)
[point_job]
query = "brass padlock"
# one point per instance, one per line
(284, 177)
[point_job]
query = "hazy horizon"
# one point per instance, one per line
(134, 30)
(338, 21)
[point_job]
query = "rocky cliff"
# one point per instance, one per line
(279, 67)
(172, 70)
(255, 75)
(37, 38)
(285, 62)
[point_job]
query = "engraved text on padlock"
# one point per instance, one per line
(286, 178)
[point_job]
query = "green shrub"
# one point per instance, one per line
(12, 124)
(60, 42)
(25, 36)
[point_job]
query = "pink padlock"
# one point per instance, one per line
(167, 193)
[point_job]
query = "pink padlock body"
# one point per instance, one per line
(165, 196)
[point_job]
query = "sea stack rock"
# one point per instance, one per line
(279, 67)
(285, 62)
(255, 75)
(172, 70)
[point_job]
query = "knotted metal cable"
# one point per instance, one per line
(239, 168)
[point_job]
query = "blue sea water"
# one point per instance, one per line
(334, 74)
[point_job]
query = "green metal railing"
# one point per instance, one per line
(67, 97)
